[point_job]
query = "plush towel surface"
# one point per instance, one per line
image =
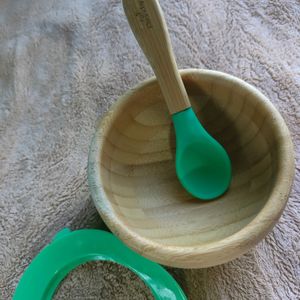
(63, 63)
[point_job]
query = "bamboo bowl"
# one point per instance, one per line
(134, 185)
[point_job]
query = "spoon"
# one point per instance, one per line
(202, 165)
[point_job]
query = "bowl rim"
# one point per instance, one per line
(212, 253)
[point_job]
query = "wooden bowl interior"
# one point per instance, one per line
(138, 170)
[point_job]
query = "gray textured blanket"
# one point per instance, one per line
(63, 63)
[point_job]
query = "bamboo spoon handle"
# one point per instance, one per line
(148, 25)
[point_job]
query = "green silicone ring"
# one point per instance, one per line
(69, 249)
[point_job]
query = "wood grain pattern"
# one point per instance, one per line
(149, 27)
(134, 185)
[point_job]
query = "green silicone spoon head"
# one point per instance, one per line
(202, 165)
